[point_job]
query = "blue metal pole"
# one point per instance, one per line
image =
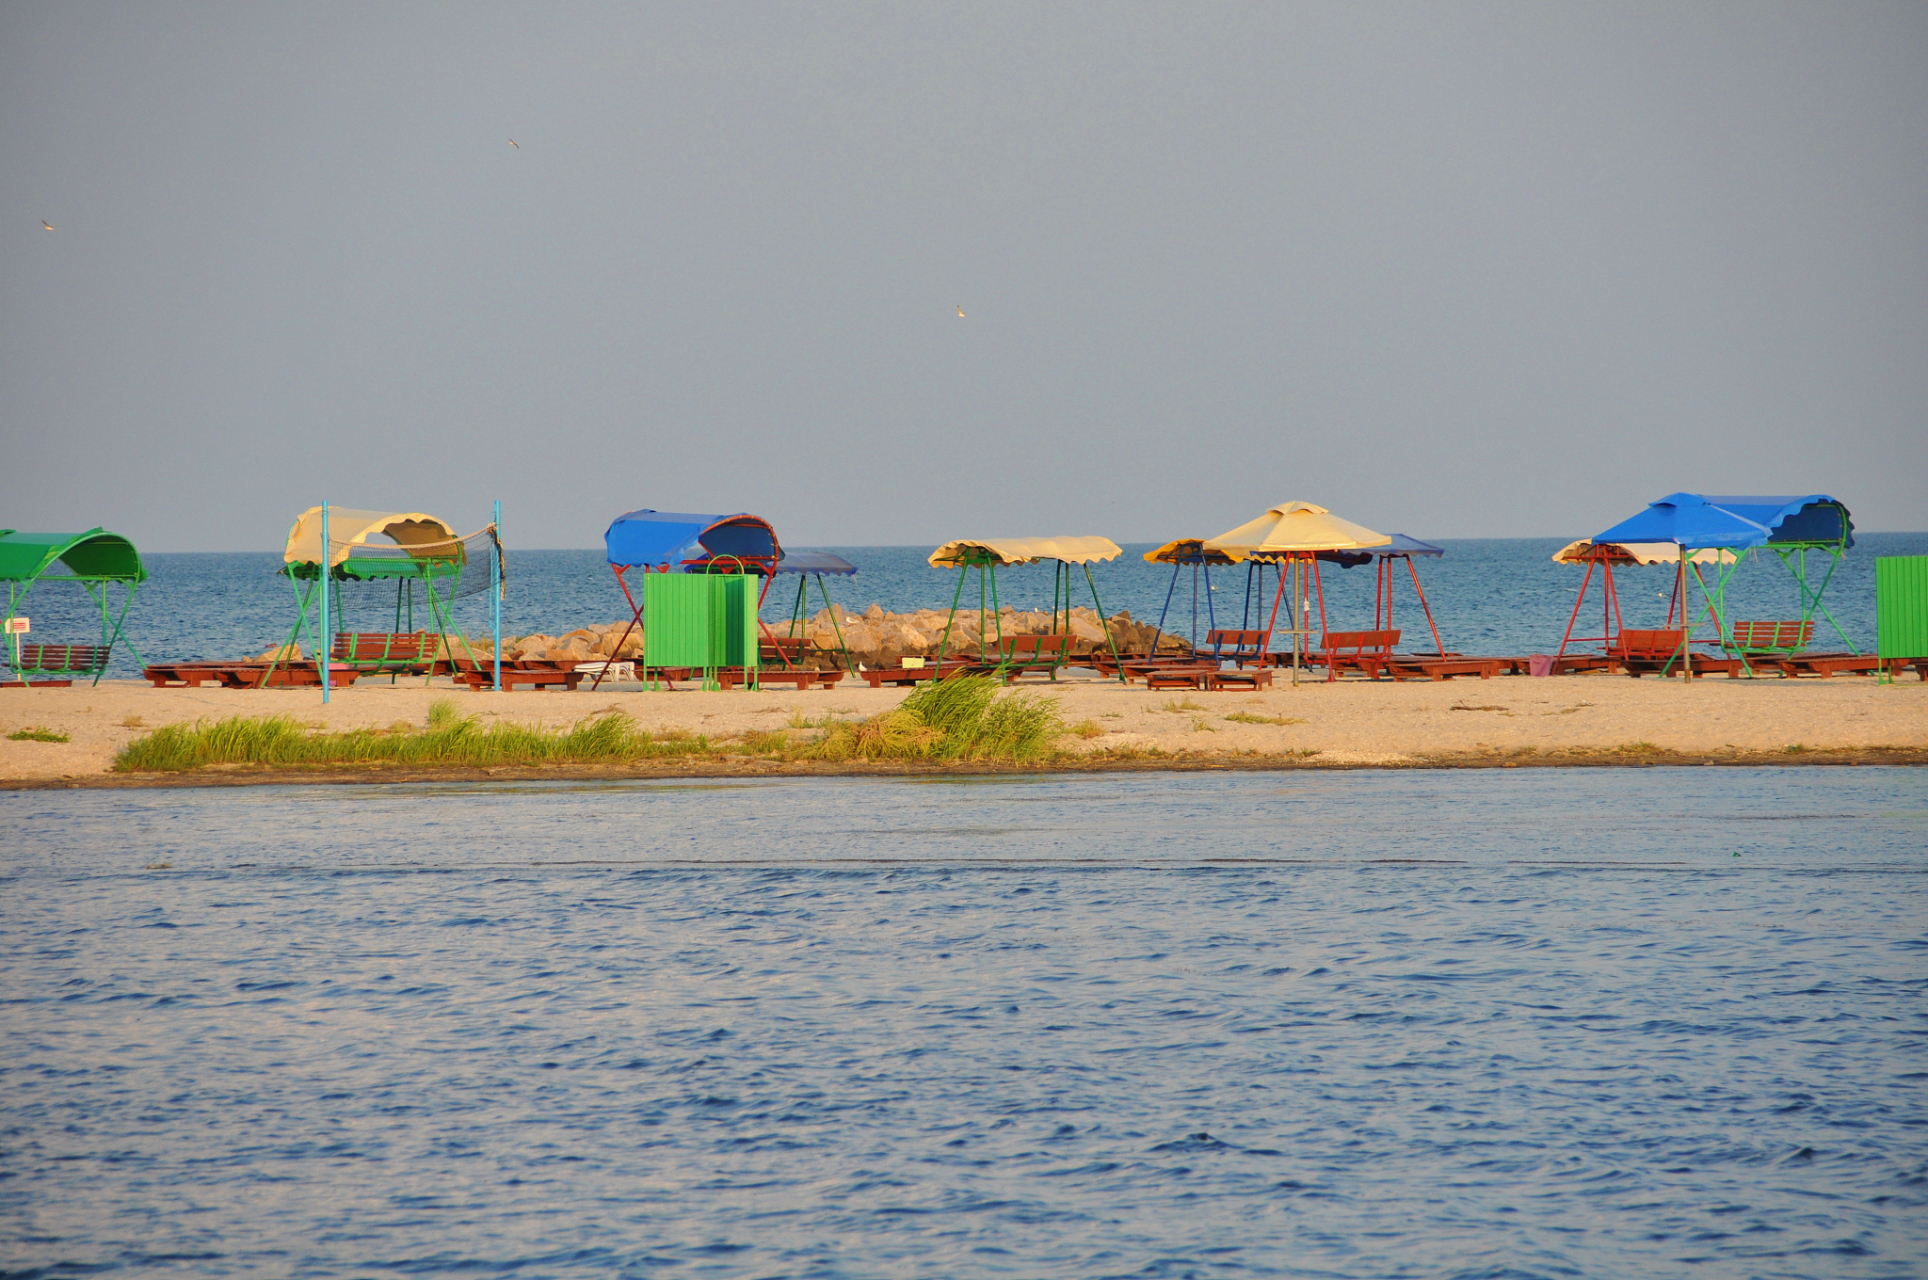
(327, 643)
(495, 579)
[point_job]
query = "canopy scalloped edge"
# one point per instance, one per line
(1009, 551)
(95, 555)
(349, 528)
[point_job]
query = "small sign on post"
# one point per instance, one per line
(19, 626)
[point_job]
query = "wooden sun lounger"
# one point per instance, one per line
(536, 673)
(1193, 677)
(733, 677)
(247, 675)
(1133, 666)
(1239, 678)
(901, 676)
(1824, 664)
(1403, 668)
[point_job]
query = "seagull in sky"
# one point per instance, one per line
(960, 310)
(50, 227)
(515, 144)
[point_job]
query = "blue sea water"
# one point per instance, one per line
(1493, 596)
(1535, 1023)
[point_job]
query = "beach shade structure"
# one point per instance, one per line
(1181, 554)
(340, 560)
(1292, 535)
(1385, 575)
(807, 565)
(1606, 557)
(1734, 527)
(988, 555)
(681, 542)
(105, 565)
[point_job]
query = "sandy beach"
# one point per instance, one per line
(1506, 721)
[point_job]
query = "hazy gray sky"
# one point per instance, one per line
(1455, 270)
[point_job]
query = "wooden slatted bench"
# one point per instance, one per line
(61, 662)
(781, 651)
(1363, 651)
(385, 653)
(1023, 654)
(1638, 651)
(1238, 647)
(1767, 638)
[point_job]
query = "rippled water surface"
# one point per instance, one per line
(1521, 1023)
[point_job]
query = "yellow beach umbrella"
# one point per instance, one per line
(1295, 528)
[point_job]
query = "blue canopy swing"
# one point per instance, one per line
(684, 542)
(1731, 528)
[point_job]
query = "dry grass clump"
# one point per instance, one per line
(450, 738)
(1246, 717)
(962, 718)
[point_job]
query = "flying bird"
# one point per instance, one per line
(50, 227)
(960, 310)
(515, 144)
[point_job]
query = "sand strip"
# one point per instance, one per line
(1510, 720)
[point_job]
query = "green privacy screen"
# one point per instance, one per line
(1901, 606)
(703, 620)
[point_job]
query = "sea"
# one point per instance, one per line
(1468, 1024)
(1484, 1025)
(1501, 596)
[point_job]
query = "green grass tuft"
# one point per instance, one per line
(962, 718)
(450, 739)
(1246, 717)
(37, 734)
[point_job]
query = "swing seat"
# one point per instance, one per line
(386, 653)
(1022, 654)
(1637, 652)
(781, 651)
(1238, 647)
(1366, 652)
(1772, 638)
(61, 661)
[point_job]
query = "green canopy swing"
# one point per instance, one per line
(421, 549)
(987, 555)
(97, 560)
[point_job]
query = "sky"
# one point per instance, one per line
(1472, 270)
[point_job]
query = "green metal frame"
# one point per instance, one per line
(1793, 557)
(304, 577)
(98, 587)
(986, 563)
(799, 624)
